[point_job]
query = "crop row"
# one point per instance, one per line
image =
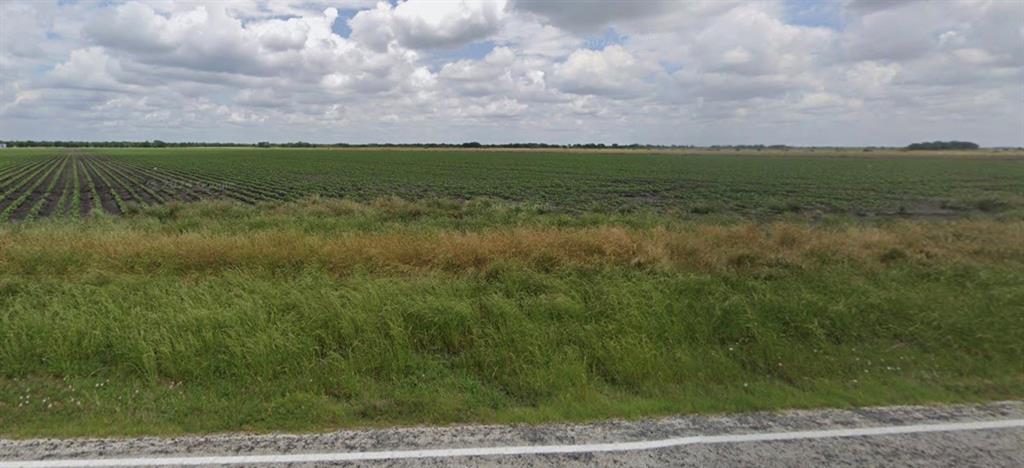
(691, 185)
(81, 184)
(749, 185)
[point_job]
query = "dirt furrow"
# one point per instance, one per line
(36, 193)
(85, 191)
(76, 184)
(106, 193)
(138, 183)
(14, 178)
(127, 196)
(175, 186)
(67, 206)
(225, 187)
(167, 188)
(208, 187)
(56, 193)
(16, 193)
(6, 172)
(125, 187)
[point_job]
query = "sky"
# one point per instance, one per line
(799, 72)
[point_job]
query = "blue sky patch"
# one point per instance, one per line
(671, 67)
(814, 13)
(340, 26)
(471, 51)
(610, 37)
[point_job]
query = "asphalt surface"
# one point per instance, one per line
(989, 447)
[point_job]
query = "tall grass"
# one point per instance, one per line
(140, 245)
(137, 325)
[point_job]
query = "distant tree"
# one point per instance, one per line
(943, 145)
(303, 144)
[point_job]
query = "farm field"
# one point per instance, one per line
(76, 184)
(843, 183)
(171, 291)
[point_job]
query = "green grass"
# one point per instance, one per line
(324, 314)
(496, 286)
(239, 351)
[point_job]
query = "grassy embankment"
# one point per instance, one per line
(322, 314)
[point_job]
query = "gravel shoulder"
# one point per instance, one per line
(1000, 447)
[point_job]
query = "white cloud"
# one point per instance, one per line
(662, 72)
(751, 41)
(90, 69)
(591, 15)
(612, 71)
(871, 78)
(499, 73)
(423, 24)
(973, 56)
(822, 100)
(501, 108)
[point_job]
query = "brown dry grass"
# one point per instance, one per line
(698, 248)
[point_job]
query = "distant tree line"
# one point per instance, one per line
(468, 144)
(943, 145)
(114, 144)
(933, 145)
(160, 143)
(751, 147)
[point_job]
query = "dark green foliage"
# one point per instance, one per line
(943, 145)
(727, 184)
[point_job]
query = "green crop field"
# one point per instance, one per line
(167, 291)
(843, 182)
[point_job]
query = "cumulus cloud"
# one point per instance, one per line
(88, 69)
(454, 70)
(500, 74)
(869, 6)
(767, 45)
(427, 24)
(612, 71)
(591, 15)
(872, 78)
(502, 108)
(207, 39)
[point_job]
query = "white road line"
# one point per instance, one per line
(517, 450)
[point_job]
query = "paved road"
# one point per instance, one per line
(990, 435)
